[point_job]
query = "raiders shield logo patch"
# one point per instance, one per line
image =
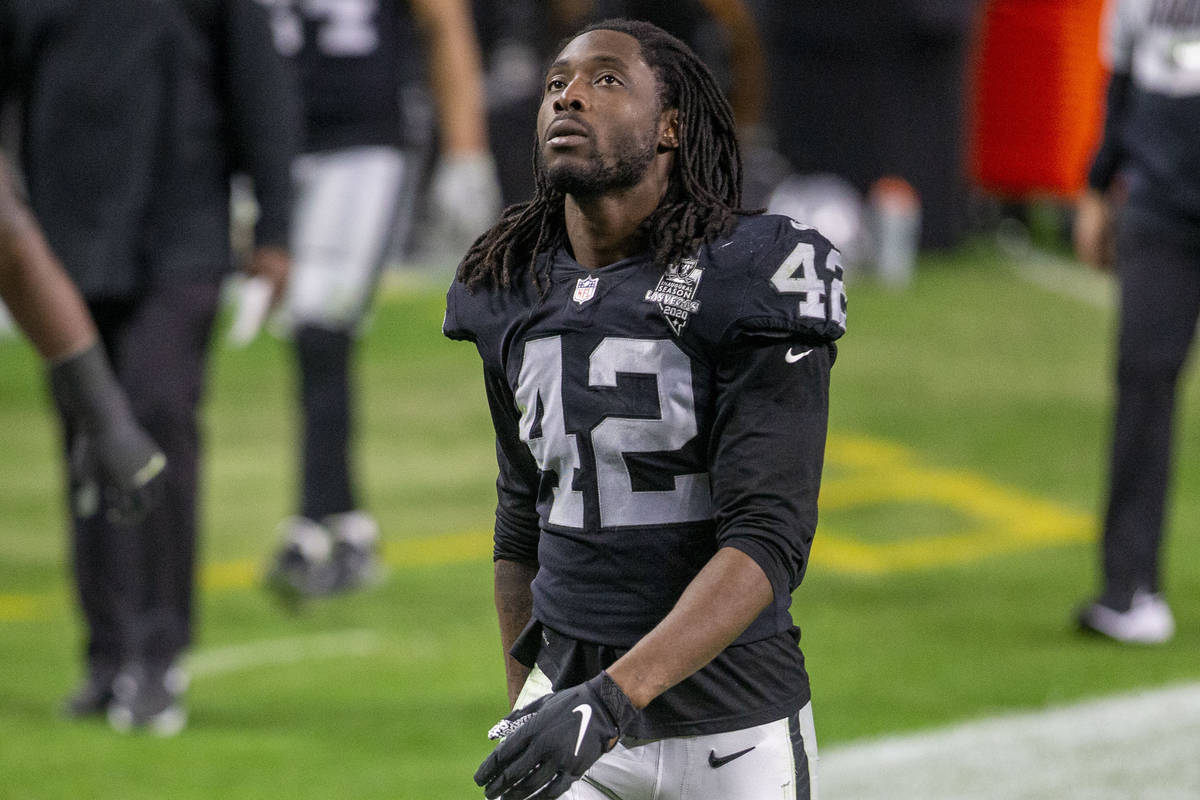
(676, 294)
(585, 289)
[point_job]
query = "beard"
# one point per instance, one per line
(630, 159)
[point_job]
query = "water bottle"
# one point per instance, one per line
(896, 220)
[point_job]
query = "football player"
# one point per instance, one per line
(356, 181)
(656, 362)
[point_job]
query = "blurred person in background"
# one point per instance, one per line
(116, 469)
(1149, 160)
(356, 182)
(134, 114)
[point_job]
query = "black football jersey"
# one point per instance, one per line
(646, 417)
(353, 58)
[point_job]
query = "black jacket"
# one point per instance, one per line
(1152, 122)
(134, 114)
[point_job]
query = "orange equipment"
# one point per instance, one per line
(1038, 98)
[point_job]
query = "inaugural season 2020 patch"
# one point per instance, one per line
(676, 293)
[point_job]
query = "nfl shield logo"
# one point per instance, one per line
(585, 289)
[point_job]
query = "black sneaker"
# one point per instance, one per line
(93, 695)
(150, 698)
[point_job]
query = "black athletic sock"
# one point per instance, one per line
(324, 361)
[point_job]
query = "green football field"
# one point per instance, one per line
(963, 477)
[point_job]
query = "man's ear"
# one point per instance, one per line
(668, 138)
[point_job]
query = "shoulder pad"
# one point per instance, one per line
(486, 316)
(453, 327)
(792, 281)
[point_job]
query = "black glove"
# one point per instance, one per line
(554, 740)
(120, 470)
(114, 464)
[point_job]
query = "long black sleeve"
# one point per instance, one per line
(1109, 155)
(265, 119)
(767, 454)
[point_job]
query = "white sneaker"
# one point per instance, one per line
(303, 565)
(149, 698)
(313, 541)
(357, 528)
(1148, 620)
(337, 554)
(355, 550)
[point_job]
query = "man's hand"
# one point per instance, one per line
(1093, 233)
(273, 264)
(554, 740)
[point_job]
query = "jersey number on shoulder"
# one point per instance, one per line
(543, 427)
(346, 28)
(798, 275)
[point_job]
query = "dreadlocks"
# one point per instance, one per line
(705, 189)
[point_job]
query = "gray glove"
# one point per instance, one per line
(465, 195)
(114, 464)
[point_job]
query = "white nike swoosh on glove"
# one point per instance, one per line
(585, 715)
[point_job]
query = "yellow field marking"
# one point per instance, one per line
(246, 573)
(22, 607)
(868, 472)
(424, 551)
(221, 575)
(874, 472)
(433, 550)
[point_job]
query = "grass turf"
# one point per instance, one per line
(970, 371)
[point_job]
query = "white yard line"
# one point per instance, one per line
(281, 652)
(1138, 746)
(1067, 278)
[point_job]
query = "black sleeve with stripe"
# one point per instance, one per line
(517, 530)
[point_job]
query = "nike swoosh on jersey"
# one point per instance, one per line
(585, 717)
(792, 358)
(715, 761)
